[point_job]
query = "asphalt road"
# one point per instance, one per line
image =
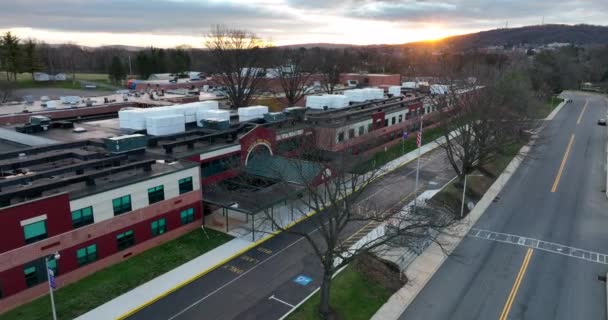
(497, 276)
(260, 283)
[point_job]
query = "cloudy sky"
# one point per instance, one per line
(168, 23)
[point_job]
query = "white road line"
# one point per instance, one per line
(272, 297)
(557, 248)
(235, 279)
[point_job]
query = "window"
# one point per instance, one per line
(400, 118)
(159, 226)
(386, 122)
(394, 120)
(187, 216)
(185, 185)
(31, 276)
(122, 205)
(351, 133)
(125, 240)
(361, 130)
(156, 194)
(340, 136)
(217, 166)
(370, 127)
(82, 217)
(35, 231)
(86, 255)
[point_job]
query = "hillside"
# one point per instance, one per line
(531, 35)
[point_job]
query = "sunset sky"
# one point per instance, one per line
(168, 23)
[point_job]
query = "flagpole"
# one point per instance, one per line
(418, 167)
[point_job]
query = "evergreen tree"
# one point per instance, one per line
(116, 71)
(10, 55)
(31, 60)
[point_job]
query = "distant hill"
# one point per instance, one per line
(320, 45)
(581, 34)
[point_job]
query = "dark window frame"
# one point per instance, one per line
(124, 207)
(90, 256)
(36, 238)
(187, 216)
(156, 194)
(82, 220)
(159, 228)
(125, 240)
(185, 185)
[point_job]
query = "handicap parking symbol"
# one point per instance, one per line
(302, 280)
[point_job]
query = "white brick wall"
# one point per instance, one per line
(102, 202)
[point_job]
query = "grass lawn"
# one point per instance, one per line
(24, 80)
(98, 288)
(353, 297)
(398, 149)
(547, 107)
(477, 185)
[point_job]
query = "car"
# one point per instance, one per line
(601, 122)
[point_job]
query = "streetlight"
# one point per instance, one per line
(464, 191)
(50, 275)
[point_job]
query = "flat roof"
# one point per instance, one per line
(80, 169)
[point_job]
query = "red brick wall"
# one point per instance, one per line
(59, 219)
(102, 233)
(15, 300)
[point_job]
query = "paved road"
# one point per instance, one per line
(513, 275)
(243, 287)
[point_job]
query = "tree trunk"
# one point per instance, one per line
(324, 307)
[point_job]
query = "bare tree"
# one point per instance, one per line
(487, 114)
(346, 201)
(236, 56)
(6, 90)
(295, 72)
(71, 55)
(331, 64)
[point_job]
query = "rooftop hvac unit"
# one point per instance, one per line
(215, 124)
(274, 116)
(125, 143)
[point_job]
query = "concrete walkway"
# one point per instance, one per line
(422, 269)
(163, 284)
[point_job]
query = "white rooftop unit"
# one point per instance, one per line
(220, 115)
(69, 99)
(395, 91)
(338, 101)
(160, 125)
(253, 112)
(439, 89)
(131, 118)
(374, 93)
(318, 102)
(409, 85)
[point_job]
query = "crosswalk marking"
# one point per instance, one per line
(540, 245)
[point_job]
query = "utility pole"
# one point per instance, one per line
(50, 275)
(419, 143)
(130, 70)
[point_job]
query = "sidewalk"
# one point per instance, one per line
(155, 289)
(424, 266)
(165, 284)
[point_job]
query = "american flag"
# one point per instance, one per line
(419, 138)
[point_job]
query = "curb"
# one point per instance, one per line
(400, 300)
(409, 157)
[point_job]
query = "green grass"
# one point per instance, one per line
(546, 108)
(395, 151)
(477, 185)
(94, 290)
(353, 297)
(24, 80)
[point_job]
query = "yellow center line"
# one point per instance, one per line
(520, 276)
(561, 167)
(580, 116)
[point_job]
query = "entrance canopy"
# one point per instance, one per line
(290, 170)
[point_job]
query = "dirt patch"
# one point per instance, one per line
(381, 271)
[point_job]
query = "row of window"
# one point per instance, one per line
(217, 166)
(37, 231)
(387, 122)
(88, 254)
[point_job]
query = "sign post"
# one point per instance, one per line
(52, 284)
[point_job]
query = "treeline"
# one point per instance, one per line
(18, 56)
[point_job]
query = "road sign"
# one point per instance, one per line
(302, 280)
(52, 283)
(404, 135)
